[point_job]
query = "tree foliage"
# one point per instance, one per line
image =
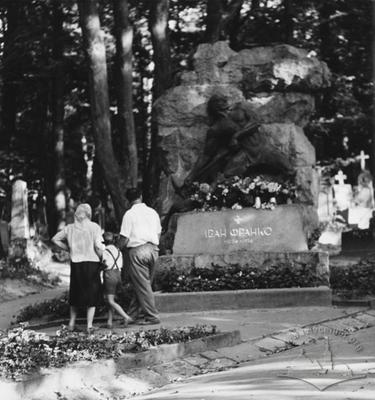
(35, 57)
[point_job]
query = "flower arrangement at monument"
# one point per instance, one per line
(237, 193)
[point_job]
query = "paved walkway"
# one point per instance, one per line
(287, 353)
(339, 363)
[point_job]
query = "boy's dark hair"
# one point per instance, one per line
(108, 238)
(133, 194)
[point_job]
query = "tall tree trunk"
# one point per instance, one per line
(255, 5)
(159, 14)
(58, 116)
(221, 19)
(10, 75)
(327, 38)
(215, 11)
(99, 98)
(124, 42)
(327, 52)
(158, 22)
(372, 159)
(288, 21)
(233, 25)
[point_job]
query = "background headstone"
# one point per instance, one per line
(325, 204)
(343, 192)
(4, 237)
(19, 225)
(362, 157)
(363, 202)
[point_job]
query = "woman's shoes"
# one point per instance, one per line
(128, 321)
(91, 330)
(73, 329)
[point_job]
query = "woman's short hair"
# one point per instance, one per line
(82, 212)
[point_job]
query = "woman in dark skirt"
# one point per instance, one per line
(83, 240)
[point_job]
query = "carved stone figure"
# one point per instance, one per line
(222, 141)
(233, 144)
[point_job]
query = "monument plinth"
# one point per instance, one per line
(226, 231)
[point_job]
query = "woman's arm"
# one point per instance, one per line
(60, 240)
(98, 242)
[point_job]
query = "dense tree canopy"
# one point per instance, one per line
(47, 114)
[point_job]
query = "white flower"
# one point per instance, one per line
(204, 188)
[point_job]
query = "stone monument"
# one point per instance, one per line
(19, 225)
(241, 113)
(223, 232)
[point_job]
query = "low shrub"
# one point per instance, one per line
(236, 277)
(354, 281)
(22, 268)
(23, 351)
(59, 307)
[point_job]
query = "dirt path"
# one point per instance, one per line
(15, 294)
(9, 309)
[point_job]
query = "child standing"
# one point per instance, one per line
(113, 261)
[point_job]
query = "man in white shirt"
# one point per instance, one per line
(140, 231)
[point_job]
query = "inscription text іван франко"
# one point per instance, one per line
(238, 233)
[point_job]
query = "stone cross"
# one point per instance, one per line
(362, 158)
(19, 224)
(340, 177)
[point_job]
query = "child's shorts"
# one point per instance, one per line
(111, 280)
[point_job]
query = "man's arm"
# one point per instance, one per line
(122, 242)
(124, 232)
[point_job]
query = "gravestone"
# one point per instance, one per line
(4, 238)
(363, 202)
(330, 239)
(343, 192)
(325, 204)
(19, 225)
(226, 231)
(362, 157)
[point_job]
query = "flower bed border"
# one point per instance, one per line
(246, 299)
(81, 370)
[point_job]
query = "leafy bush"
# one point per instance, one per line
(23, 268)
(354, 280)
(59, 307)
(23, 351)
(236, 277)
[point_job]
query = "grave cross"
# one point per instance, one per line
(340, 177)
(362, 158)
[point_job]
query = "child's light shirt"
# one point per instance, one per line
(108, 260)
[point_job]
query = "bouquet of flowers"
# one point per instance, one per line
(237, 193)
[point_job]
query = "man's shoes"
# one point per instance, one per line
(154, 321)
